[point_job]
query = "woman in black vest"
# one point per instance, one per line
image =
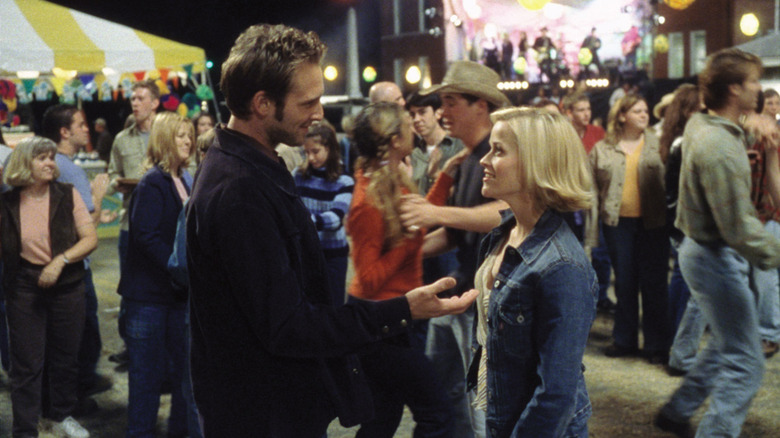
(45, 233)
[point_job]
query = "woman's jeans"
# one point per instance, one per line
(640, 259)
(400, 374)
(730, 368)
(44, 324)
(155, 333)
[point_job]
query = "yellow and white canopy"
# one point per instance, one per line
(38, 36)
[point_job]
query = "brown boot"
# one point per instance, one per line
(770, 348)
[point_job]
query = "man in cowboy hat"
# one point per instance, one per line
(469, 93)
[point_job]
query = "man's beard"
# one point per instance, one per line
(278, 135)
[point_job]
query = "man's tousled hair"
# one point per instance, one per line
(264, 58)
(724, 68)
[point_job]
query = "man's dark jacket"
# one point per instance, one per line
(270, 355)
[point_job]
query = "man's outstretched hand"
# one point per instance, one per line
(424, 304)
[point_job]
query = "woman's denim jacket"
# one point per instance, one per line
(542, 305)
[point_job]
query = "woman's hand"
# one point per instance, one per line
(51, 272)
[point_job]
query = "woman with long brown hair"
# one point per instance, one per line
(685, 103)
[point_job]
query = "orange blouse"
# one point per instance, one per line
(383, 275)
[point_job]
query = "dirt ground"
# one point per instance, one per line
(626, 393)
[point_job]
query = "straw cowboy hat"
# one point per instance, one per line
(468, 77)
(658, 109)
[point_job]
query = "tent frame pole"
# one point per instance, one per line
(214, 96)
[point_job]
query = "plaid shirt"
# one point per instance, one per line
(759, 194)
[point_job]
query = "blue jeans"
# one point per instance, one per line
(155, 332)
(89, 352)
(193, 418)
(5, 358)
(440, 266)
(730, 368)
(767, 284)
(640, 258)
(337, 278)
(123, 242)
(678, 294)
(449, 349)
(401, 374)
(599, 259)
(682, 355)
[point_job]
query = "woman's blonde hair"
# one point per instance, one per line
(18, 171)
(615, 127)
(162, 149)
(553, 167)
(375, 128)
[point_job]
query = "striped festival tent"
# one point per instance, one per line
(38, 36)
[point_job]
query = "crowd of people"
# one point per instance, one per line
(234, 283)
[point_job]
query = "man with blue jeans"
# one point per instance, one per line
(723, 237)
(66, 126)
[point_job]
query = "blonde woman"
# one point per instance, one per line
(538, 291)
(388, 262)
(153, 309)
(629, 178)
(45, 233)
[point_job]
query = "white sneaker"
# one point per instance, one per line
(69, 428)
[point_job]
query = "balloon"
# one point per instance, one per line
(533, 5)
(678, 4)
(204, 92)
(170, 102)
(585, 56)
(661, 44)
(191, 100)
(520, 65)
(10, 104)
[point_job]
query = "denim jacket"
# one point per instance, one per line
(542, 305)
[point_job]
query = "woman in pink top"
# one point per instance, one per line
(45, 233)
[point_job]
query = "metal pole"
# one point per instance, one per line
(214, 96)
(353, 76)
